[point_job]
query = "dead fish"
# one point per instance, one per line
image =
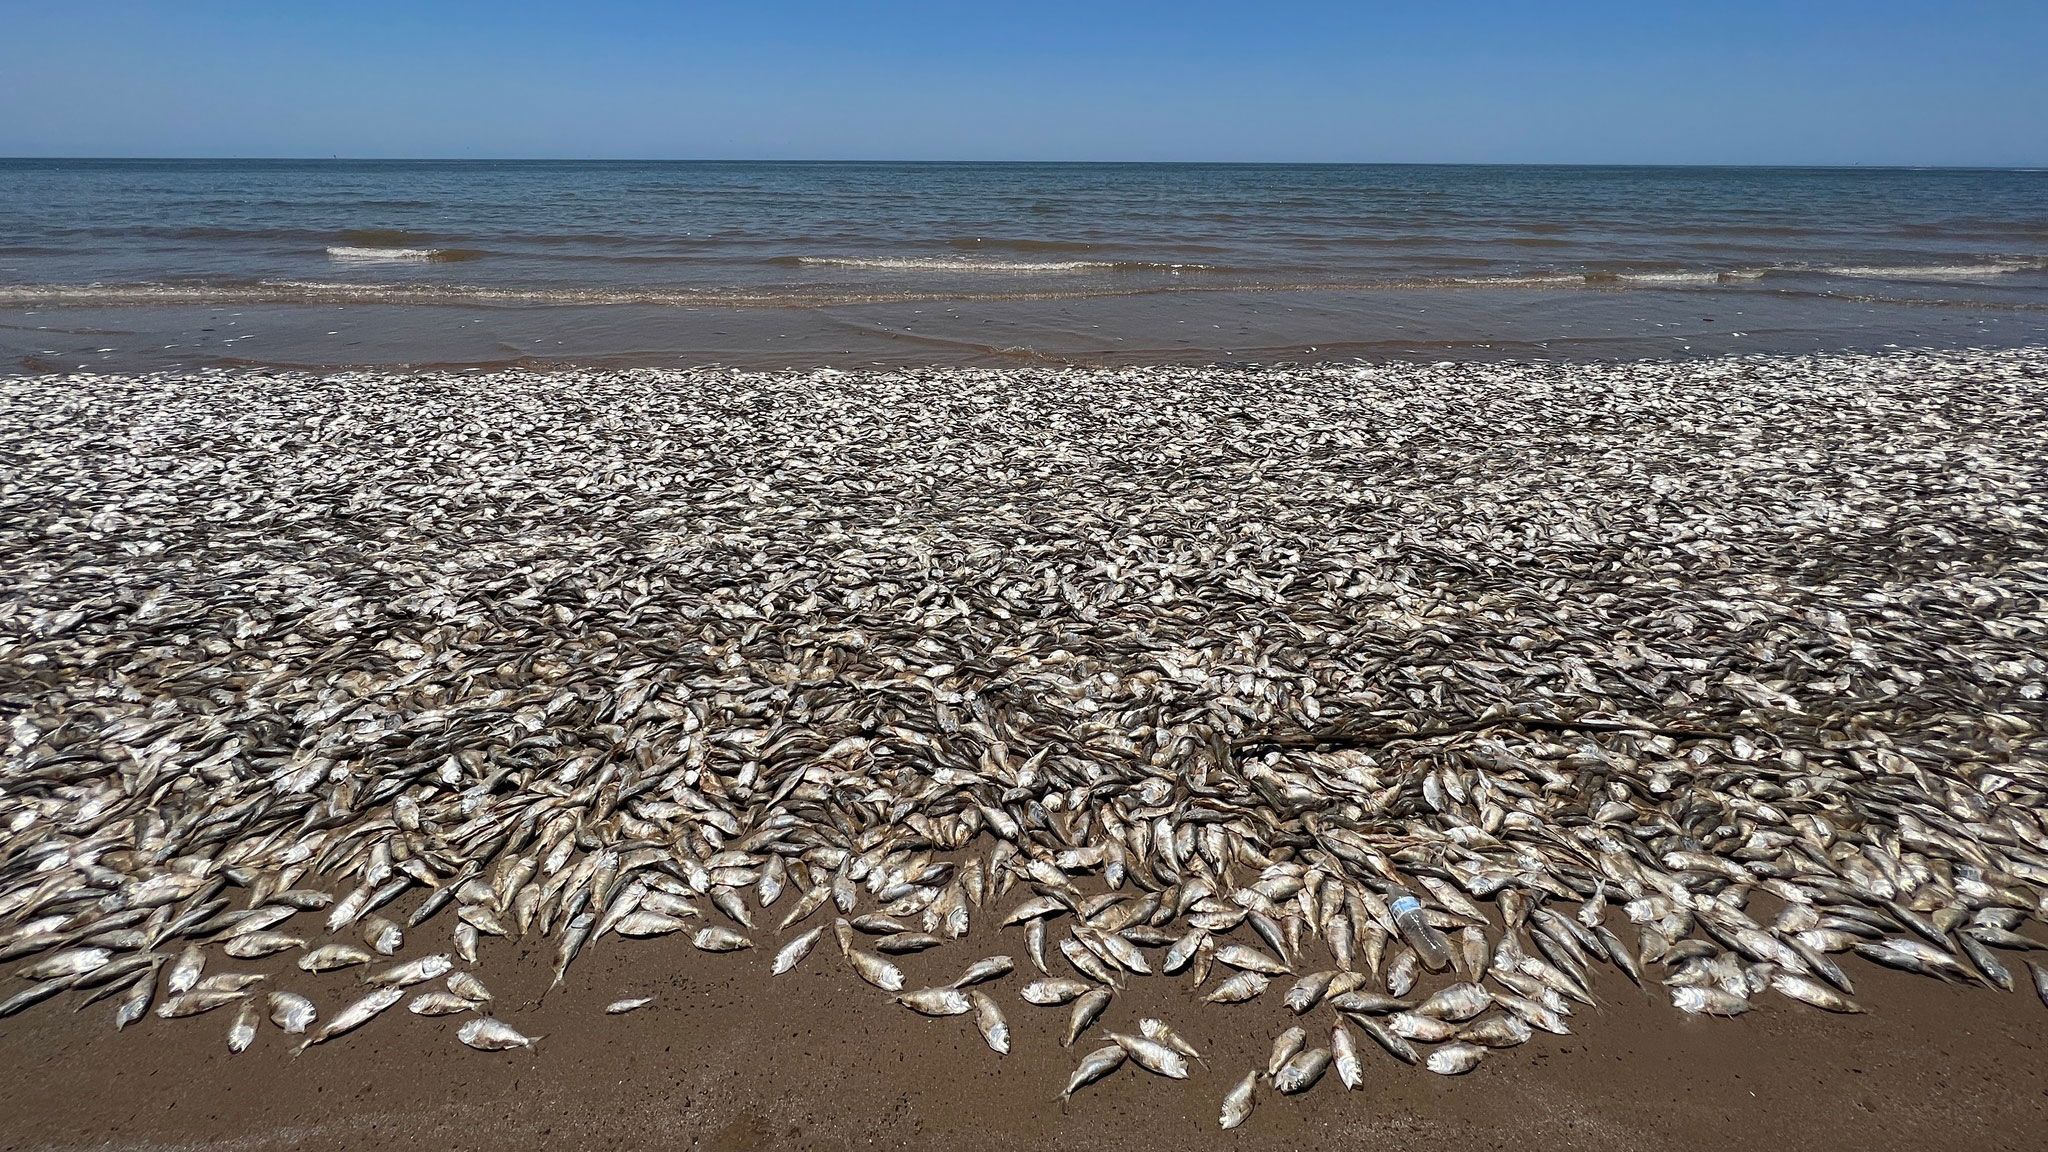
(730, 902)
(1458, 1002)
(413, 971)
(988, 1020)
(644, 924)
(1093, 1067)
(1053, 991)
(1249, 959)
(69, 962)
(466, 939)
(1087, 963)
(355, 1015)
(437, 1002)
(621, 1007)
(1036, 908)
(1153, 1056)
(1237, 1103)
(1812, 992)
(134, 1004)
(1501, 1030)
(29, 996)
(185, 970)
(1344, 1057)
(291, 1012)
(197, 1001)
(467, 986)
(1301, 1073)
(1913, 956)
(1427, 1029)
(906, 943)
(1402, 972)
(242, 1032)
(329, 957)
(489, 1034)
(1308, 991)
(1455, 1059)
(1182, 951)
(1986, 962)
(1239, 988)
(1370, 1003)
(1708, 1001)
(793, 953)
(1536, 1015)
(982, 971)
(1085, 1010)
(1393, 1045)
(257, 944)
(1286, 1046)
(383, 936)
(937, 1002)
(229, 982)
(875, 970)
(573, 938)
(1153, 1028)
(715, 939)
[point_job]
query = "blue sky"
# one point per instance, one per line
(1536, 81)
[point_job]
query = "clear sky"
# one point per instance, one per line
(1872, 81)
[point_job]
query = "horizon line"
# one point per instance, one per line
(336, 158)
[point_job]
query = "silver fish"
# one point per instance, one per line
(355, 1016)
(1237, 1103)
(988, 1020)
(715, 939)
(792, 954)
(1153, 1056)
(1086, 1009)
(1093, 1067)
(413, 971)
(1301, 1073)
(1053, 991)
(1344, 1055)
(489, 1034)
(437, 1002)
(1238, 989)
(1455, 1059)
(946, 1001)
(291, 1012)
(1286, 1046)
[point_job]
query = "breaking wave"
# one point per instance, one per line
(2002, 267)
(354, 254)
(970, 265)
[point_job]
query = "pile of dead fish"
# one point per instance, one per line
(1721, 677)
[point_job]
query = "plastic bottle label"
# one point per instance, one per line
(1406, 904)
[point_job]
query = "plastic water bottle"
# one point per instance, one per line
(1429, 944)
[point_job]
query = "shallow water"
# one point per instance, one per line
(777, 263)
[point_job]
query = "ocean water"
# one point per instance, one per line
(484, 262)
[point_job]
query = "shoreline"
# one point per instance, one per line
(1584, 324)
(1679, 649)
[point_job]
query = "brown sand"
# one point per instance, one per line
(729, 1058)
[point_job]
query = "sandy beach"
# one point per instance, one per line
(729, 1059)
(1735, 660)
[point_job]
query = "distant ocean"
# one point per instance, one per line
(341, 262)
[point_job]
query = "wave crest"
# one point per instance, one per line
(354, 254)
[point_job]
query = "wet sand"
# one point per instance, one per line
(729, 1058)
(1167, 328)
